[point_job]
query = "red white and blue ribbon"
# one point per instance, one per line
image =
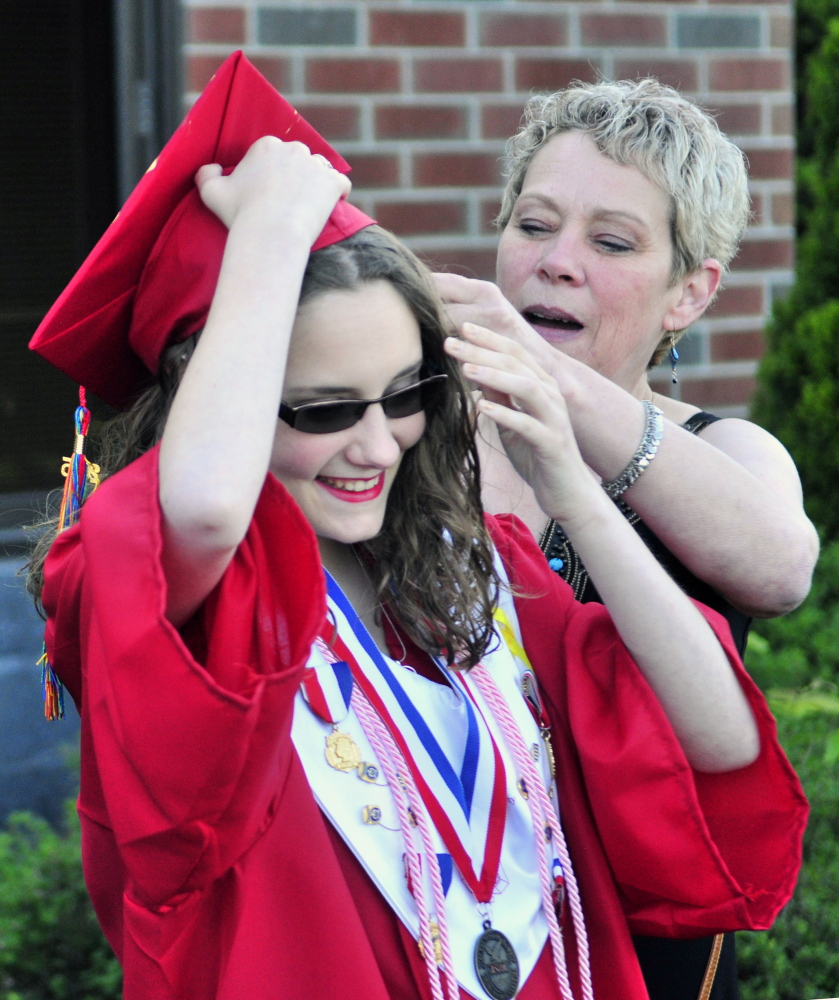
(328, 687)
(466, 798)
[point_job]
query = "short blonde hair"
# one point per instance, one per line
(672, 141)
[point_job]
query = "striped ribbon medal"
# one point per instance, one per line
(328, 690)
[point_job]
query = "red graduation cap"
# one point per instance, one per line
(150, 280)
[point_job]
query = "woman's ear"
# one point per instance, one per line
(697, 292)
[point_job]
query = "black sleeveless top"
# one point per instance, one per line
(673, 969)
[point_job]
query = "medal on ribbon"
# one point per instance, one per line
(328, 690)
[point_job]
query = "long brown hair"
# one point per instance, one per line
(432, 562)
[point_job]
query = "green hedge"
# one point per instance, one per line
(798, 959)
(51, 947)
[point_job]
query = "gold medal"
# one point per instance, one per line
(342, 751)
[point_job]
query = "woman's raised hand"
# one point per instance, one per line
(282, 181)
(532, 419)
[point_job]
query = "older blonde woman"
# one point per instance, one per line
(624, 207)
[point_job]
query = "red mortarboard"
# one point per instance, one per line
(150, 280)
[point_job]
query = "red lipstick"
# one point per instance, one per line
(354, 496)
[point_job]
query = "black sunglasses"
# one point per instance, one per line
(330, 415)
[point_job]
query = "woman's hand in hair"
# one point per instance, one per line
(282, 181)
(467, 300)
(528, 409)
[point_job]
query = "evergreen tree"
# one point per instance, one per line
(798, 382)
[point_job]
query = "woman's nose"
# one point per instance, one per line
(373, 442)
(561, 259)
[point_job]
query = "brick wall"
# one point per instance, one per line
(420, 97)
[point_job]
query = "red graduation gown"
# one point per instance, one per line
(212, 870)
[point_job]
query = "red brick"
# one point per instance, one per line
(274, 70)
(744, 345)
(416, 28)
(738, 300)
(711, 392)
(739, 119)
(444, 76)
(352, 76)
(411, 218)
(200, 69)
(749, 74)
(683, 74)
(756, 255)
(780, 31)
(523, 29)
(334, 121)
(783, 120)
(216, 24)
(770, 164)
(783, 209)
(553, 74)
(500, 121)
(456, 170)
(623, 29)
(489, 213)
(399, 121)
(470, 263)
(758, 212)
(373, 170)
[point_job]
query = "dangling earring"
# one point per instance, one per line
(673, 354)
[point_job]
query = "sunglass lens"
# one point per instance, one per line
(405, 403)
(328, 418)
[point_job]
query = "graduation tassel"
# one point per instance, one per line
(52, 689)
(81, 478)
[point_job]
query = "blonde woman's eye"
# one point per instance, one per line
(613, 246)
(530, 228)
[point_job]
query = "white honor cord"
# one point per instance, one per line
(544, 818)
(401, 781)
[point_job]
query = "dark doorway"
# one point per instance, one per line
(58, 193)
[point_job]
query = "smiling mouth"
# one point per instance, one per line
(353, 490)
(552, 319)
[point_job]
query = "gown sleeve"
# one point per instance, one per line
(187, 744)
(692, 853)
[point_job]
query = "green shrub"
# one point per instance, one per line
(811, 20)
(798, 399)
(796, 396)
(798, 959)
(51, 947)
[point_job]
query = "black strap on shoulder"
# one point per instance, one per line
(699, 421)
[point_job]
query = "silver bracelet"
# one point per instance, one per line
(653, 431)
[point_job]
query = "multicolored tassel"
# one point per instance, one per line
(81, 478)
